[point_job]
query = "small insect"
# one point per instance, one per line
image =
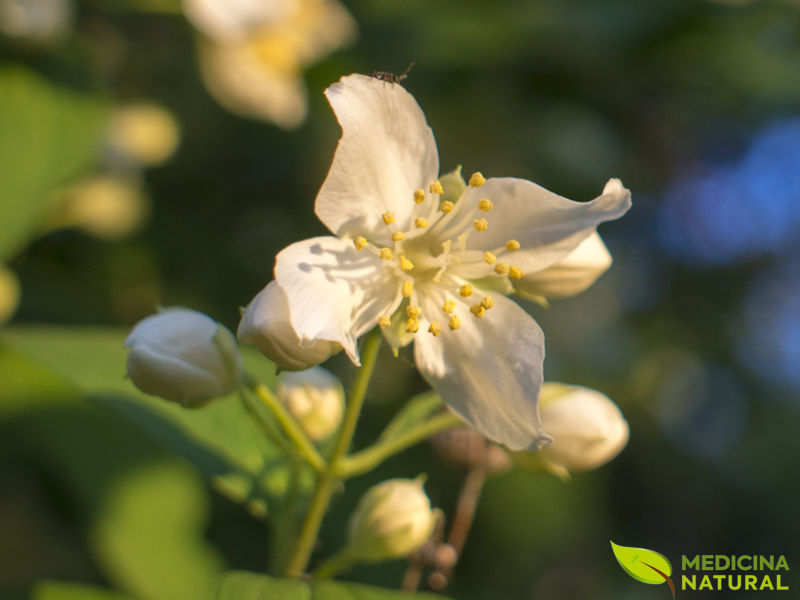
(391, 77)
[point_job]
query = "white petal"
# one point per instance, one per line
(335, 292)
(489, 371)
(227, 19)
(385, 153)
(547, 226)
(570, 276)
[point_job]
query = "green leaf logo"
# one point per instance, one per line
(644, 565)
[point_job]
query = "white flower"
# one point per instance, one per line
(588, 429)
(392, 520)
(265, 324)
(253, 51)
(315, 398)
(436, 257)
(36, 20)
(184, 356)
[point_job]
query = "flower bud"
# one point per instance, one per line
(265, 324)
(588, 429)
(184, 356)
(392, 520)
(143, 133)
(9, 294)
(315, 398)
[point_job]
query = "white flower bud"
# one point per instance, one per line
(143, 133)
(570, 276)
(265, 324)
(9, 294)
(588, 429)
(315, 398)
(184, 356)
(392, 520)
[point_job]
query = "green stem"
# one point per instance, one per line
(298, 437)
(341, 561)
(366, 460)
(266, 427)
(328, 478)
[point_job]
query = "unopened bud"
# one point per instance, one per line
(183, 356)
(315, 398)
(392, 520)
(143, 133)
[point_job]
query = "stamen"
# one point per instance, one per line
(384, 321)
(398, 236)
(408, 288)
(477, 179)
(501, 269)
(454, 322)
(419, 196)
(412, 326)
(489, 258)
(388, 218)
(512, 245)
(515, 273)
(449, 306)
(360, 242)
(485, 204)
(405, 264)
(487, 302)
(421, 222)
(436, 187)
(447, 245)
(413, 312)
(477, 309)
(465, 290)
(386, 253)
(480, 224)
(435, 328)
(446, 206)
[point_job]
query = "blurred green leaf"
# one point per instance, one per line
(418, 409)
(56, 590)
(49, 134)
(248, 586)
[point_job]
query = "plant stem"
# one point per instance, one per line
(341, 561)
(366, 460)
(266, 427)
(328, 479)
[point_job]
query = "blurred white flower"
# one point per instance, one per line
(142, 133)
(315, 398)
(252, 53)
(392, 520)
(431, 260)
(265, 324)
(35, 20)
(9, 294)
(184, 356)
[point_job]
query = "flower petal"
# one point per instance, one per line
(489, 371)
(386, 152)
(335, 292)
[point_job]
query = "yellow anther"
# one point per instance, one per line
(435, 328)
(386, 253)
(512, 245)
(398, 236)
(480, 224)
(515, 273)
(408, 288)
(405, 264)
(421, 222)
(485, 204)
(412, 326)
(477, 309)
(477, 179)
(465, 290)
(446, 206)
(449, 306)
(360, 242)
(501, 269)
(487, 302)
(413, 312)
(384, 321)
(436, 187)
(419, 196)
(489, 258)
(388, 218)
(454, 322)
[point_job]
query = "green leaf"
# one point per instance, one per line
(418, 409)
(249, 586)
(56, 590)
(642, 564)
(49, 134)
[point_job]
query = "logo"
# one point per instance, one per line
(645, 565)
